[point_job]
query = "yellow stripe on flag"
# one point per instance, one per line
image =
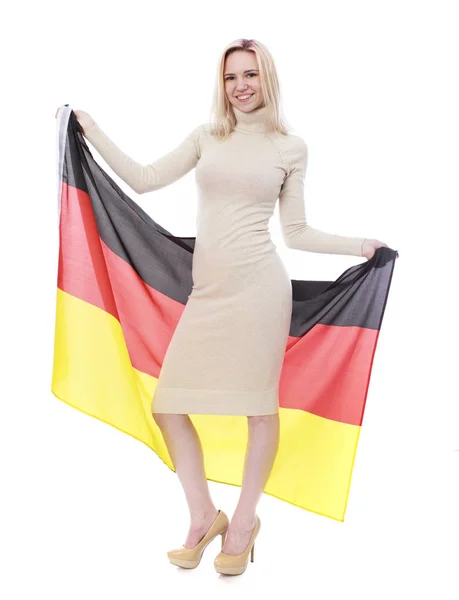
(92, 372)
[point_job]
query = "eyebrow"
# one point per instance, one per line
(247, 71)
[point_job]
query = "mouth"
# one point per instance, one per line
(243, 98)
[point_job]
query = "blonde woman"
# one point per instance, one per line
(227, 350)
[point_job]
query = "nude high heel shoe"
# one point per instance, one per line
(229, 564)
(189, 558)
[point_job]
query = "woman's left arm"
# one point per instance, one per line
(296, 232)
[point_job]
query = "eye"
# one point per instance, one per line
(229, 77)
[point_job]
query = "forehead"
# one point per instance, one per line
(240, 61)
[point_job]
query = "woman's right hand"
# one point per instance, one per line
(83, 118)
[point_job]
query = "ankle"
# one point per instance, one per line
(202, 516)
(243, 520)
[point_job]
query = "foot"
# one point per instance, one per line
(238, 536)
(199, 528)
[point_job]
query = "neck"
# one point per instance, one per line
(254, 121)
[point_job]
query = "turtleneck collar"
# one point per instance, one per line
(255, 121)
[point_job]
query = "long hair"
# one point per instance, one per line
(222, 116)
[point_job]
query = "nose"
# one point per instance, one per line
(241, 86)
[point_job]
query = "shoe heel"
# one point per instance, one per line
(223, 537)
(251, 553)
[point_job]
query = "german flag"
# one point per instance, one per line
(123, 282)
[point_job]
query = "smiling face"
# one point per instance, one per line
(242, 78)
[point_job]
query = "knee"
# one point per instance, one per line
(168, 419)
(158, 418)
(257, 419)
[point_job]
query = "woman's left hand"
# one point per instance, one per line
(369, 247)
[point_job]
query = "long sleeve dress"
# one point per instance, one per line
(226, 353)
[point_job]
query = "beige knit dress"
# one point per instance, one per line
(226, 354)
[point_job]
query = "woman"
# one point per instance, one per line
(227, 350)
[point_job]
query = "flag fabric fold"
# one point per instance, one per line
(123, 282)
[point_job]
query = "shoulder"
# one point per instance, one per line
(296, 146)
(200, 132)
(196, 132)
(194, 138)
(293, 148)
(202, 137)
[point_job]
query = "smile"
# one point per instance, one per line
(244, 97)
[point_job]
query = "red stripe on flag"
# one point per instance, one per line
(89, 270)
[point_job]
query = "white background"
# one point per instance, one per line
(88, 512)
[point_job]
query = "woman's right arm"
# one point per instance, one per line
(158, 174)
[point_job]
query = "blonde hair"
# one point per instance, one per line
(222, 117)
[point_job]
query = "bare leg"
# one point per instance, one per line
(261, 452)
(185, 449)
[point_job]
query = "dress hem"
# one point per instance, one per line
(215, 402)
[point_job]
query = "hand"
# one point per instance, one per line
(83, 118)
(369, 247)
